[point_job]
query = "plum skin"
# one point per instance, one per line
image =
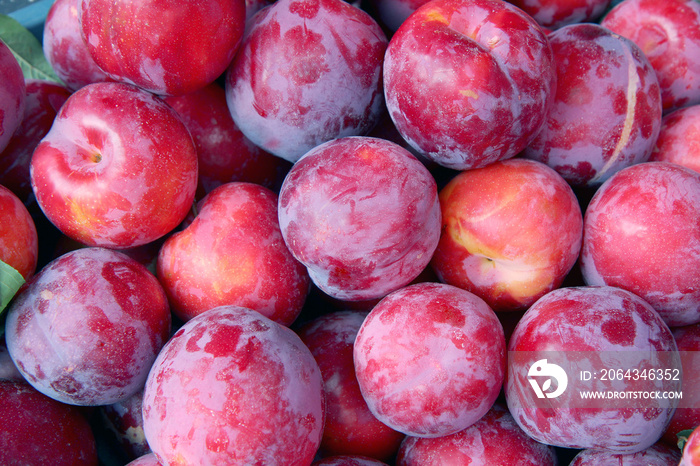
(117, 169)
(593, 326)
(468, 83)
(640, 234)
(233, 387)
(308, 71)
(362, 214)
(430, 359)
(88, 326)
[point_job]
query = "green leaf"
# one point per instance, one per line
(10, 282)
(27, 49)
(683, 438)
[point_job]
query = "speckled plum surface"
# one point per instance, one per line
(640, 233)
(430, 359)
(161, 46)
(65, 49)
(469, 83)
(117, 169)
(351, 428)
(592, 328)
(362, 214)
(679, 138)
(495, 439)
(655, 455)
(12, 95)
(35, 429)
(668, 33)
(88, 326)
(607, 110)
(232, 387)
(308, 71)
(233, 252)
(557, 13)
(498, 224)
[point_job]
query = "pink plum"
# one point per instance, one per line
(607, 110)
(117, 169)
(362, 214)
(687, 416)
(495, 439)
(233, 252)
(88, 326)
(232, 387)
(351, 428)
(65, 49)
(592, 329)
(498, 225)
(691, 449)
(160, 46)
(35, 429)
(679, 138)
(42, 102)
(430, 359)
(149, 459)
(19, 241)
(308, 71)
(224, 153)
(469, 83)
(124, 422)
(655, 455)
(668, 32)
(640, 233)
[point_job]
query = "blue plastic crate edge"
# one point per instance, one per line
(33, 16)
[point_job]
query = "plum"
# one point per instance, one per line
(308, 71)
(87, 328)
(679, 138)
(223, 151)
(42, 101)
(668, 33)
(35, 429)
(65, 49)
(495, 439)
(351, 428)
(233, 252)
(593, 330)
(498, 225)
(607, 109)
(640, 233)
(469, 83)
(161, 46)
(233, 387)
(656, 455)
(430, 359)
(362, 214)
